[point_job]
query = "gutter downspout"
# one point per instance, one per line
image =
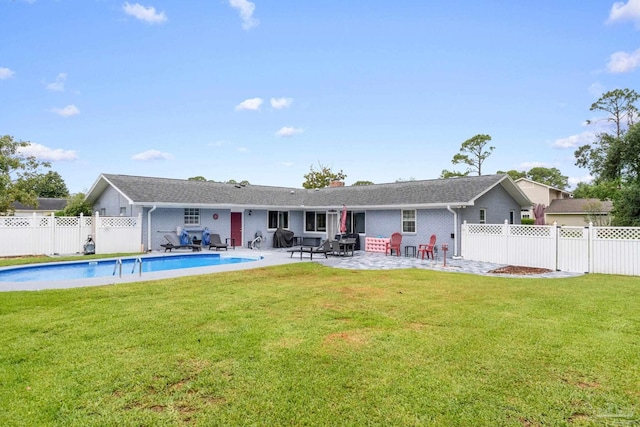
(455, 228)
(149, 227)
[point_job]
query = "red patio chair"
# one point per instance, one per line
(428, 249)
(394, 243)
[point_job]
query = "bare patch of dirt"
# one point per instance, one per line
(519, 270)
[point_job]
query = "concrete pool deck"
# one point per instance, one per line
(271, 257)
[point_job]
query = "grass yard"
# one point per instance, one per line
(303, 344)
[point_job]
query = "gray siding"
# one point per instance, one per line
(111, 201)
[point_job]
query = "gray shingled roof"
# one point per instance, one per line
(576, 206)
(436, 193)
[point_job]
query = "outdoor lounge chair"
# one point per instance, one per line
(394, 244)
(427, 249)
(174, 243)
(217, 243)
(324, 248)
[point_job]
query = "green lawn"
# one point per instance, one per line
(303, 344)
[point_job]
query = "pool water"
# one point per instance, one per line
(88, 269)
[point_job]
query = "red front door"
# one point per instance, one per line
(236, 227)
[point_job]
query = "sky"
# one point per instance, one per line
(266, 90)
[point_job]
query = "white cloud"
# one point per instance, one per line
(287, 164)
(528, 165)
(287, 131)
(47, 154)
(242, 149)
(58, 85)
(6, 73)
(245, 9)
(280, 103)
(621, 11)
(146, 14)
(574, 141)
(151, 155)
(250, 104)
(68, 111)
(623, 62)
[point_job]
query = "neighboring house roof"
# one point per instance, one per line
(44, 204)
(559, 190)
(436, 193)
(577, 206)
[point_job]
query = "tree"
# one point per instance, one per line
(604, 190)
(357, 183)
(322, 177)
(626, 207)
(630, 156)
(15, 167)
(76, 205)
(594, 215)
(473, 153)
(514, 174)
(49, 185)
(604, 157)
(197, 178)
(548, 176)
(452, 174)
(619, 103)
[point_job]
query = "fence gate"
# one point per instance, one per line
(573, 249)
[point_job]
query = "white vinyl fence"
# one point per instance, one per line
(51, 235)
(608, 250)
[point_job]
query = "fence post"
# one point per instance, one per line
(590, 238)
(80, 241)
(96, 228)
(556, 242)
(52, 227)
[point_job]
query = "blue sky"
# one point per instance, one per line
(264, 90)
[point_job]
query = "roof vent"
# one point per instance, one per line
(238, 186)
(292, 192)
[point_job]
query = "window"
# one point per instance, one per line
(409, 221)
(512, 217)
(315, 221)
(483, 216)
(278, 219)
(103, 211)
(191, 216)
(123, 211)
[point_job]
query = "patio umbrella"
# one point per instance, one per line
(343, 220)
(538, 213)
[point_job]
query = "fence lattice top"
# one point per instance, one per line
(124, 221)
(617, 233)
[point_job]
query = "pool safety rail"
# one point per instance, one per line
(118, 267)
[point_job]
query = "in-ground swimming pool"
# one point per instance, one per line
(102, 268)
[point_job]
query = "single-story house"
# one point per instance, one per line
(579, 212)
(416, 209)
(540, 193)
(46, 206)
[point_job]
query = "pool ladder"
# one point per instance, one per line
(118, 267)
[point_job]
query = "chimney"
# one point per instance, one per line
(336, 184)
